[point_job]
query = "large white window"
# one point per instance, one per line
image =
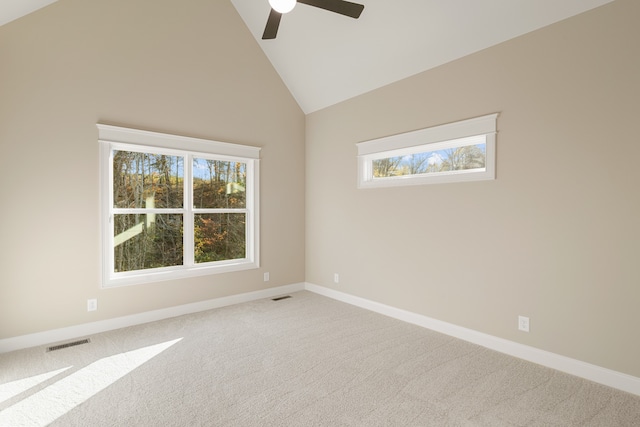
(175, 207)
(460, 151)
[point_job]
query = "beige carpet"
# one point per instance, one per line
(303, 361)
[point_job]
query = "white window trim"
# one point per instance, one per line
(467, 132)
(113, 137)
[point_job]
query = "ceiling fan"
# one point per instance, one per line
(280, 7)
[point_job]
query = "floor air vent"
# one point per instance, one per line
(281, 298)
(69, 344)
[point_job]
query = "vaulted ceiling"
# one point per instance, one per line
(325, 58)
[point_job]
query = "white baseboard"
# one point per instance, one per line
(63, 334)
(608, 377)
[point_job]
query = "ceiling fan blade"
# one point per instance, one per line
(273, 23)
(342, 7)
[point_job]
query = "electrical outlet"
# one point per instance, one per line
(523, 323)
(336, 278)
(92, 304)
(266, 277)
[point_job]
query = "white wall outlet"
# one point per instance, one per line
(92, 304)
(523, 323)
(336, 278)
(266, 277)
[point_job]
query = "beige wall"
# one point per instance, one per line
(190, 68)
(556, 237)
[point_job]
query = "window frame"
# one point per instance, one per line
(479, 130)
(112, 138)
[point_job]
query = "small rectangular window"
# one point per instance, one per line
(461, 151)
(176, 207)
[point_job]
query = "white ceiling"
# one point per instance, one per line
(325, 58)
(14, 9)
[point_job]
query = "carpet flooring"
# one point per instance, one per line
(302, 361)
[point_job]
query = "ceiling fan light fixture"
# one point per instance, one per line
(282, 6)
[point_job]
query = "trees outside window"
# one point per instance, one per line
(468, 157)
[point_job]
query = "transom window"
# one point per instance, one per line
(461, 151)
(176, 207)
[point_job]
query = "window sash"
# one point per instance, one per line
(112, 139)
(480, 130)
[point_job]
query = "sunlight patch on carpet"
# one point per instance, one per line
(14, 388)
(49, 404)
